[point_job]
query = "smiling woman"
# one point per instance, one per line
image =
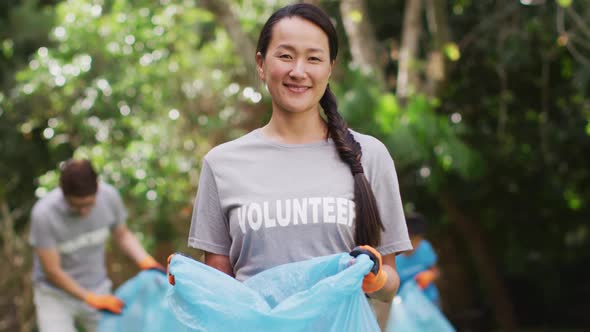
(301, 186)
(296, 68)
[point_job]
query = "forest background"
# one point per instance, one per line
(483, 104)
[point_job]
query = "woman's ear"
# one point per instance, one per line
(332, 65)
(259, 68)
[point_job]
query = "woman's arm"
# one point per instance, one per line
(220, 262)
(387, 293)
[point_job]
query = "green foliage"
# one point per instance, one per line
(140, 90)
(146, 88)
(22, 26)
(452, 51)
(422, 140)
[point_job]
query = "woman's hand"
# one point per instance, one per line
(376, 278)
(382, 282)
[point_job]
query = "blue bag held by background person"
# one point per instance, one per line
(412, 311)
(320, 294)
(146, 308)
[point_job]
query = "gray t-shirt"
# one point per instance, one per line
(265, 203)
(80, 241)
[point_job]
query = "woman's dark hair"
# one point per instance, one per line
(368, 221)
(78, 178)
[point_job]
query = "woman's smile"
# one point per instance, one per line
(296, 88)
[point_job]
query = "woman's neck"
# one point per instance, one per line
(296, 128)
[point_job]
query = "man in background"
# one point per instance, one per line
(69, 229)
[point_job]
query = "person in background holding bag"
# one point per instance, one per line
(303, 185)
(420, 263)
(69, 228)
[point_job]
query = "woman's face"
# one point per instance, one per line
(297, 65)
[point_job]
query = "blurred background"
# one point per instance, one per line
(483, 105)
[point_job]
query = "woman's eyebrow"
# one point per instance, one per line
(292, 49)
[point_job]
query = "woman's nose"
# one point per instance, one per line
(298, 70)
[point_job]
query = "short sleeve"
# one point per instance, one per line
(209, 227)
(41, 235)
(383, 180)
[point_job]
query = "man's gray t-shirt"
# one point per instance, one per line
(264, 203)
(80, 241)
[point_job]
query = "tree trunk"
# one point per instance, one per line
(242, 42)
(407, 77)
(361, 37)
(484, 262)
(436, 11)
(459, 304)
(16, 259)
(313, 2)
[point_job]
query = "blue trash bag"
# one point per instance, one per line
(412, 311)
(320, 294)
(146, 308)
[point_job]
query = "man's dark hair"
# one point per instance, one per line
(78, 178)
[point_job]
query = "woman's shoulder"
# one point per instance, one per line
(231, 148)
(369, 144)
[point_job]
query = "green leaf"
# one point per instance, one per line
(8, 48)
(452, 51)
(565, 3)
(573, 199)
(387, 111)
(355, 16)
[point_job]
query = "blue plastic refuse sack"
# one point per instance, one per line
(146, 308)
(320, 294)
(412, 311)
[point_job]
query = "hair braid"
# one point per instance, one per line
(368, 221)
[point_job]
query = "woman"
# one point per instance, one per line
(300, 186)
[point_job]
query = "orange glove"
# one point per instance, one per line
(150, 263)
(105, 302)
(170, 276)
(425, 278)
(376, 278)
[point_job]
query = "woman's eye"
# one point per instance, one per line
(315, 59)
(285, 56)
